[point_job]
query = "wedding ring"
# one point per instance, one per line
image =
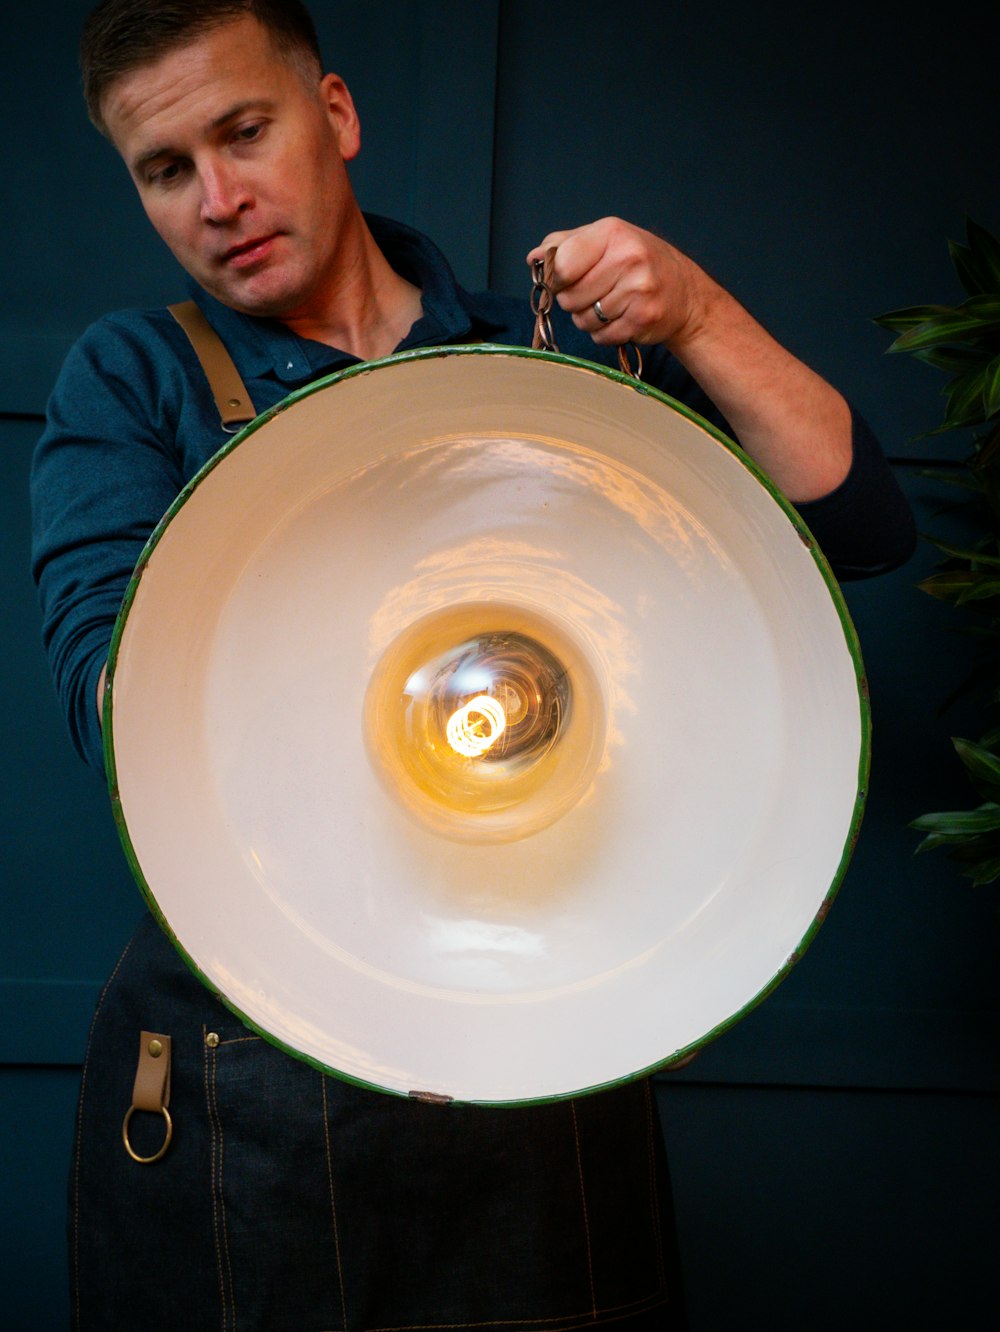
(605, 319)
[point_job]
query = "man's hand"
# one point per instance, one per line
(648, 291)
(790, 421)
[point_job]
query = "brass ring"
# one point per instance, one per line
(147, 1160)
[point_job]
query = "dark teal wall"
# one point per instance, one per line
(834, 1156)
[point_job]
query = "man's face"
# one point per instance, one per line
(239, 163)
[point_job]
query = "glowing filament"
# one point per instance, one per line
(473, 728)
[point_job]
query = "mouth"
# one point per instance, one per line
(250, 252)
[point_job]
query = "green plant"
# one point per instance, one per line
(964, 341)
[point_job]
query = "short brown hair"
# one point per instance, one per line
(121, 35)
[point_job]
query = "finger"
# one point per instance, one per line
(603, 282)
(602, 315)
(579, 258)
(577, 252)
(552, 241)
(608, 332)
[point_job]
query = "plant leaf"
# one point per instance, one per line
(910, 317)
(961, 553)
(973, 275)
(938, 430)
(949, 585)
(959, 824)
(991, 389)
(982, 765)
(984, 871)
(987, 452)
(955, 360)
(985, 306)
(955, 326)
(982, 588)
(985, 249)
(965, 400)
(961, 480)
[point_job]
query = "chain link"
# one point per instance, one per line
(541, 306)
(625, 363)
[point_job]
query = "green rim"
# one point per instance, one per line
(488, 349)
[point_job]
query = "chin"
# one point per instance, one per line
(261, 294)
(264, 305)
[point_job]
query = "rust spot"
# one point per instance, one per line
(795, 958)
(430, 1098)
(807, 541)
(863, 685)
(823, 912)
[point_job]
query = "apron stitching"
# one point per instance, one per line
(618, 1311)
(617, 1317)
(333, 1205)
(654, 1197)
(222, 1199)
(215, 1203)
(79, 1136)
(583, 1202)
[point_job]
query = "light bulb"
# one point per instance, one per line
(486, 722)
(476, 726)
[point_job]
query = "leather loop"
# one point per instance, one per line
(232, 400)
(151, 1090)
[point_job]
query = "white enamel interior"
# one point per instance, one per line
(630, 929)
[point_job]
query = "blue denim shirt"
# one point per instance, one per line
(131, 420)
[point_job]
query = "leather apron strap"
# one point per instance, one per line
(151, 1091)
(231, 397)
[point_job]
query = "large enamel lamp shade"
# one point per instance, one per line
(481, 725)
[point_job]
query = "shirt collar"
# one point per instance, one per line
(266, 347)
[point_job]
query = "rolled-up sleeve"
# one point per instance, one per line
(865, 526)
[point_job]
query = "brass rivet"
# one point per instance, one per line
(155, 1049)
(234, 402)
(212, 1039)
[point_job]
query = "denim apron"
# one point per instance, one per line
(290, 1201)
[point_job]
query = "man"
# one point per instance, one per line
(288, 1199)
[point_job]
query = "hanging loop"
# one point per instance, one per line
(151, 1091)
(168, 1134)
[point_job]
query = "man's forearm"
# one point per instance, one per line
(621, 283)
(789, 419)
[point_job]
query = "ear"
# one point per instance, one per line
(339, 107)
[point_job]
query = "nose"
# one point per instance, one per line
(224, 195)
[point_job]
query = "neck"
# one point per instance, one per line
(366, 308)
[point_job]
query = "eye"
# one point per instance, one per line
(248, 133)
(165, 174)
